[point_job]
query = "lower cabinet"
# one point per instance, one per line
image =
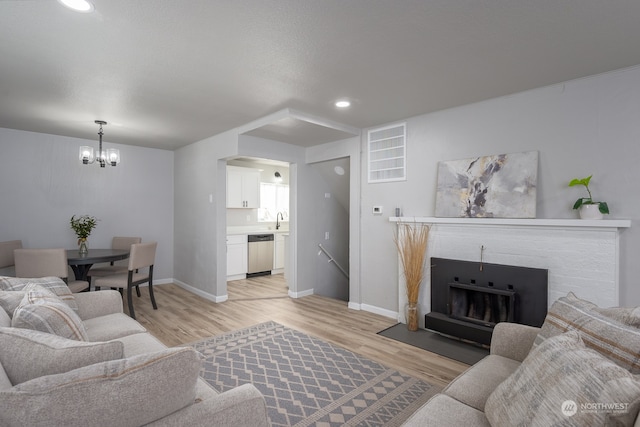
(237, 266)
(278, 252)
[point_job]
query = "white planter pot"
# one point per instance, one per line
(590, 212)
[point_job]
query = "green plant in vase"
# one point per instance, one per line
(586, 204)
(82, 226)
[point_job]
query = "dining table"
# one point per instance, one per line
(82, 263)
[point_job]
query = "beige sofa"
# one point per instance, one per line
(582, 355)
(121, 375)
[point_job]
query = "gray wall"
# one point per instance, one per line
(42, 184)
(582, 127)
(201, 214)
(333, 217)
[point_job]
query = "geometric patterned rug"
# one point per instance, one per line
(309, 382)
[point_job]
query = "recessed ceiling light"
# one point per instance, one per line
(339, 170)
(78, 5)
(343, 103)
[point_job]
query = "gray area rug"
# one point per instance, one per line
(309, 382)
(436, 343)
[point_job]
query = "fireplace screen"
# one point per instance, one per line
(484, 306)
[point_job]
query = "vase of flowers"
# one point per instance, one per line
(82, 226)
(411, 242)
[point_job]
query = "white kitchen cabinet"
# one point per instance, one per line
(237, 265)
(278, 252)
(243, 187)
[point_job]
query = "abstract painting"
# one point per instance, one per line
(498, 186)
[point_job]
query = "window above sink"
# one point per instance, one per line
(274, 199)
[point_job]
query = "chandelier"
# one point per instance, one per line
(110, 156)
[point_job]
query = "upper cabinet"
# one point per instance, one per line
(243, 187)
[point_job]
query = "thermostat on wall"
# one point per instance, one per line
(377, 210)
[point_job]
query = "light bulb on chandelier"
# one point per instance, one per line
(110, 156)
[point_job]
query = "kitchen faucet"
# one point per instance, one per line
(278, 217)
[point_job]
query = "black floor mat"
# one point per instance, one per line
(436, 343)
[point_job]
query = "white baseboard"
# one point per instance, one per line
(381, 311)
(300, 294)
(200, 292)
(354, 306)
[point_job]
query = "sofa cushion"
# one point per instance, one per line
(562, 374)
(475, 385)
(5, 382)
(141, 343)
(54, 284)
(111, 326)
(42, 310)
(27, 354)
(124, 392)
(442, 410)
(5, 320)
(614, 340)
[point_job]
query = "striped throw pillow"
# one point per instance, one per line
(54, 284)
(614, 340)
(42, 310)
(561, 382)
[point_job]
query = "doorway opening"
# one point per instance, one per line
(332, 208)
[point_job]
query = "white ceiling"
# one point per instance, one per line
(166, 73)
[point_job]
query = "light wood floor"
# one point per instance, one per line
(183, 317)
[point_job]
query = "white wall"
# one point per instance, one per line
(42, 184)
(582, 127)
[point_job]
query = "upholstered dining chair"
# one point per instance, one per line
(6, 252)
(121, 243)
(44, 263)
(141, 258)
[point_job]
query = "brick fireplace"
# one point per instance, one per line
(581, 256)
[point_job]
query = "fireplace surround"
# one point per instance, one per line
(581, 256)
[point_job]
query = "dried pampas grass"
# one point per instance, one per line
(411, 241)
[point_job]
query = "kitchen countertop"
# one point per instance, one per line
(256, 229)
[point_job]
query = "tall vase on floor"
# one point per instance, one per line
(412, 316)
(411, 241)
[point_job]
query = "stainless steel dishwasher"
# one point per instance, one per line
(260, 254)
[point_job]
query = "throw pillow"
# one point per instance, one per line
(624, 315)
(27, 354)
(561, 382)
(10, 300)
(42, 310)
(618, 342)
(125, 392)
(54, 284)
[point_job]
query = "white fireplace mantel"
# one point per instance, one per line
(498, 222)
(581, 256)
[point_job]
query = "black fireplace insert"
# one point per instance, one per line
(469, 298)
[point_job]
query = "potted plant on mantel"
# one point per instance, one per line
(82, 226)
(411, 242)
(587, 208)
